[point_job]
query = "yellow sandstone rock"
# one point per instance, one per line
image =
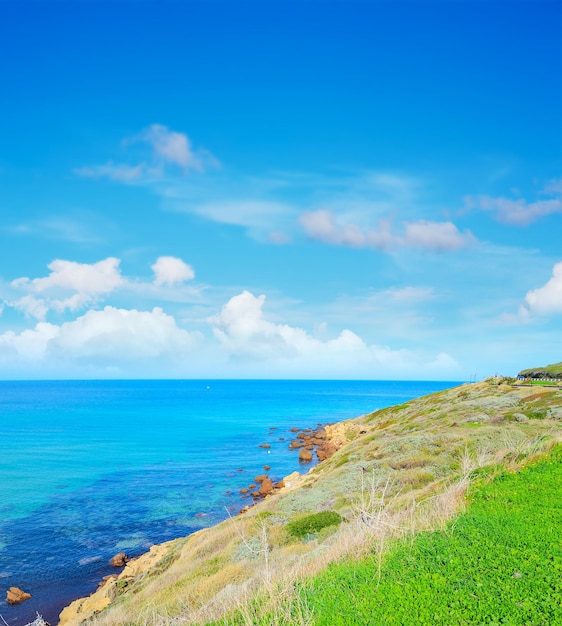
(84, 608)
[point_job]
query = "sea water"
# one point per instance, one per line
(92, 468)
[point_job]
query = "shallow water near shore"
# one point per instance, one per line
(91, 468)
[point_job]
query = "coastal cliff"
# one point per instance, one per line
(405, 467)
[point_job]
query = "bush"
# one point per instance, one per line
(312, 524)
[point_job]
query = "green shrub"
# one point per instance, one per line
(312, 524)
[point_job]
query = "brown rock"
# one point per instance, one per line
(294, 430)
(264, 445)
(260, 478)
(106, 579)
(280, 484)
(255, 494)
(305, 456)
(294, 445)
(266, 468)
(326, 451)
(244, 490)
(252, 486)
(266, 487)
(119, 560)
(309, 446)
(15, 595)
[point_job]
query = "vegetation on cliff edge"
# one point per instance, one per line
(405, 470)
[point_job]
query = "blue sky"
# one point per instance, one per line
(280, 189)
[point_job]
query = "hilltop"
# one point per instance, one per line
(553, 371)
(402, 470)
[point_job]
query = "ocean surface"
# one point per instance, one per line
(92, 468)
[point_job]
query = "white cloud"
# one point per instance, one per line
(29, 345)
(407, 294)
(169, 270)
(249, 338)
(520, 212)
(110, 335)
(423, 234)
(436, 236)
(168, 147)
(123, 334)
(121, 172)
(87, 281)
(257, 216)
(173, 147)
(31, 307)
(546, 299)
(241, 328)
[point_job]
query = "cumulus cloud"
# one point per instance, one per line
(173, 147)
(30, 345)
(31, 307)
(85, 281)
(520, 212)
(247, 336)
(547, 299)
(169, 270)
(324, 226)
(110, 335)
(241, 328)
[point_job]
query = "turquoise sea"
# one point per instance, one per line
(91, 468)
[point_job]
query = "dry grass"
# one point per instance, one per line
(409, 472)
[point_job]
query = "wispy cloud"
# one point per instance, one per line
(166, 148)
(121, 172)
(519, 212)
(425, 235)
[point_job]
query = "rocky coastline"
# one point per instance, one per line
(320, 442)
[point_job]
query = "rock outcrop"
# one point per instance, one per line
(266, 487)
(15, 595)
(85, 608)
(119, 560)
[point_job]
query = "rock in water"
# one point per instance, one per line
(266, 487)
(119, 560)
(15, 595)
(305, 456)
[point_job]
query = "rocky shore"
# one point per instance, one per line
(321, 442)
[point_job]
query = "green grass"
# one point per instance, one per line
(554, 370)
(542, 383)
(499, 563)
(312, 524)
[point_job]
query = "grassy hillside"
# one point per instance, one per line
(499, 563)
(405, 470)
(548, 371)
